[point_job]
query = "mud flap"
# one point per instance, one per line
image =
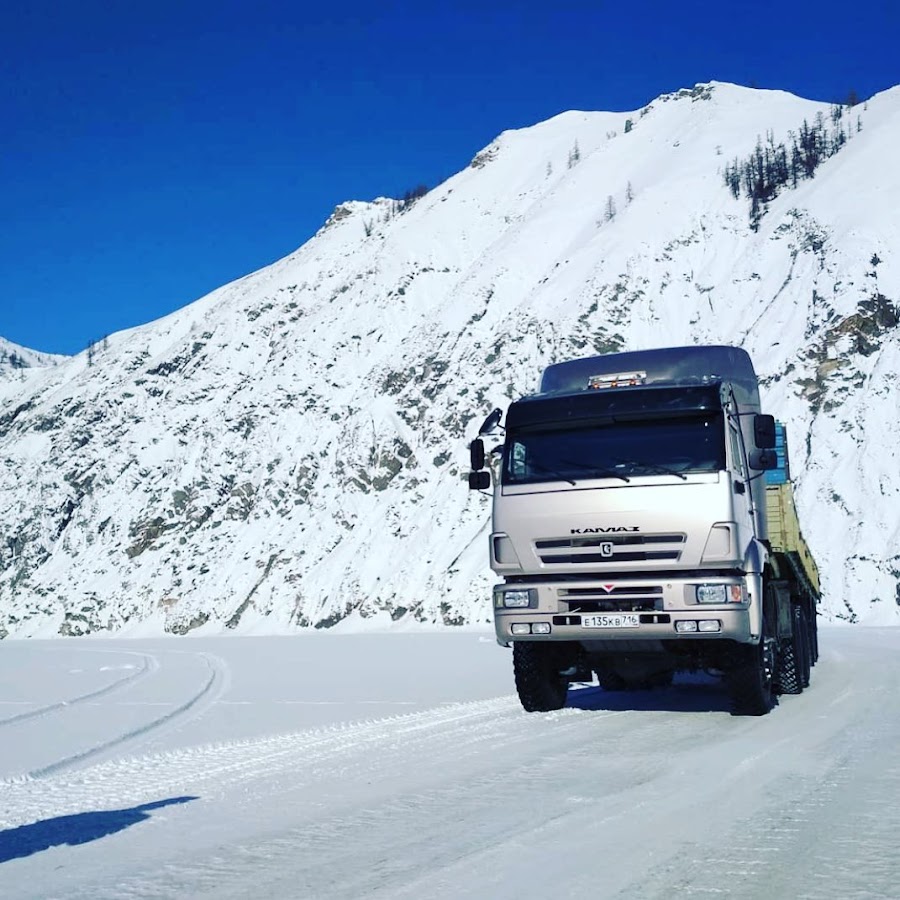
(781, 592)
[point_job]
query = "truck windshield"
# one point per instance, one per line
(671, 446)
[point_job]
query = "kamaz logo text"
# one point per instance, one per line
(608, 530)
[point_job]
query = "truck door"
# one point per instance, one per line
(740, 481)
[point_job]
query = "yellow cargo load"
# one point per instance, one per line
(785, 536)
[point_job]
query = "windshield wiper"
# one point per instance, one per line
(548, 471)
(653, 468)
(598, 473)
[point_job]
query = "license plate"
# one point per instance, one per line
(615, 620)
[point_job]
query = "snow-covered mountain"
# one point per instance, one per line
(14, 358)
(290, 450)
(19, 366)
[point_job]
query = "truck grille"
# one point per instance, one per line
(623, 598)
(624, 548)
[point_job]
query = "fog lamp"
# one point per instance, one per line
(686, 626)
(520, 628)
(540, 628)
(709, 625)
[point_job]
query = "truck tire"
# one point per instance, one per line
(538, 683)
(793, 657)
(749, 679)
(813, 637)
(806, 663)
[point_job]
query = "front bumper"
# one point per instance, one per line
(655, 613)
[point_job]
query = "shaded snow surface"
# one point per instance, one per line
(400, 766)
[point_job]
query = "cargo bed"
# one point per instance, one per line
(785, 537)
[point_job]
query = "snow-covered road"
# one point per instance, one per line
(402, 766)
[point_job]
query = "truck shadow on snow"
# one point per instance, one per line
(689, 693)
(81, 828)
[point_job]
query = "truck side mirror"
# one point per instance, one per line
(763, 460)
(764, 431)
(476, 454)
(491, 422)
(479, 481)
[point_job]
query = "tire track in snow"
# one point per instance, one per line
(149, 664)
(49, 792)
(827, 823)
(445, 794)
(214, 685)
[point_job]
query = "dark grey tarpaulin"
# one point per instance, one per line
(672, 365)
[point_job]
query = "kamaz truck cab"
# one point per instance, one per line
(630, 529)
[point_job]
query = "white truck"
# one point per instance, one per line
(644, 524)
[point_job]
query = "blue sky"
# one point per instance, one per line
(151, 152)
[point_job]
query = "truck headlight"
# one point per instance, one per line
(712, 593)
(720, 593)
(521, 598)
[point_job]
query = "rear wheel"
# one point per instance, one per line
(749, 679)
(813, 625)
(538, 683)
(806, 663)
(792, 672)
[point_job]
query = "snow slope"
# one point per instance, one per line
(289, 451)
(14, 357)
(267, 767)
(19, 365)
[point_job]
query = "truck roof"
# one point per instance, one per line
(665, 365)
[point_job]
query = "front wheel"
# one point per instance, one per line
(749, 679)
(538, 683)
